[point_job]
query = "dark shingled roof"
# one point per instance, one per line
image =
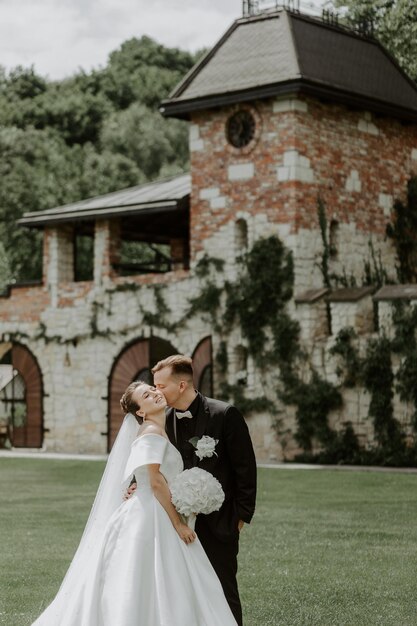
(163, 196)
(286, 52)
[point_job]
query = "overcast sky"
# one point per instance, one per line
(59, 37)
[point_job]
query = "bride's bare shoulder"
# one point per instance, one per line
(151, 429)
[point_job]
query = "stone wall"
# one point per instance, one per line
(357, 163)
(77, 338)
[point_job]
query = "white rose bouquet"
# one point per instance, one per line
(196, 491)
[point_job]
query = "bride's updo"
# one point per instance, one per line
(128, 404)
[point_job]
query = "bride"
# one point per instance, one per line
(137, 563)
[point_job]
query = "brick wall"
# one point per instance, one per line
(358, 163)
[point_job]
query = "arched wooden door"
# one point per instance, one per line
(202, 366)
(26, 400)
(134, 362)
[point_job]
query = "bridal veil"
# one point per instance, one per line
(108, 499)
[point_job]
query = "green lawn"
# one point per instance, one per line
(326, 548)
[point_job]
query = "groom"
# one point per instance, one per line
(192, 416)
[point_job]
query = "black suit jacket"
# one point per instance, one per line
(234, 466)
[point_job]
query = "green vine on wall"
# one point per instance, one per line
(206, 264)
(314, 400)
(208, 302)
(236, 393)
(160, 317)
(405, 343)
(342, 347)
(403, 231)
(326, 251)
(375, 372)
(378, 379)
(257, 300)
(221, 357)
(375, 273)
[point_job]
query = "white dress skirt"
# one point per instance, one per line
(144, 574)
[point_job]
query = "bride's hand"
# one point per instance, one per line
(185, 533)
(129, 491)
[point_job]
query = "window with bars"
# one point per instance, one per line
(13, 401)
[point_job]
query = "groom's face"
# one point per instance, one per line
(170, 385)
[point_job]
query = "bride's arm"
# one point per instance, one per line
(162, 494)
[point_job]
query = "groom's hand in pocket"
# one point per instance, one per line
(240, 525)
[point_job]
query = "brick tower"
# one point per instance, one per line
(283, 110)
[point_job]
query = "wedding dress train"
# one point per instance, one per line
(142, 573)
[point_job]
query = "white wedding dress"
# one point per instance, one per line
(143, 574)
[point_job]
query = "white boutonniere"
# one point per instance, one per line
(204, 447)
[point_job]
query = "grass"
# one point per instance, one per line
(325, 548)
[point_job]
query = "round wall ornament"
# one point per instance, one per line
(241, 128)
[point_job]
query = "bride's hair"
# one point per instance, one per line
(128, 404)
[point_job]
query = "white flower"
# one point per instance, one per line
(206, 447)
(196, 491)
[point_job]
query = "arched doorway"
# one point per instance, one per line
(202, 366)
(134, 362)
(21, 397)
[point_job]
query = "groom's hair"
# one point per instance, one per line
(180, 365)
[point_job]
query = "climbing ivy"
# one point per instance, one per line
(405, 343)
(207, 303)
(257, 303)
(221, 358)
(206, 264)
(378, 379)
(257, 300)
(326, 251)
(350, 363)
(236, 393)
(161, 316)
(314, 401)
(375, 373)
(375, 273)
(403, 231)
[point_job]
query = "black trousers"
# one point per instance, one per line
(223, 557)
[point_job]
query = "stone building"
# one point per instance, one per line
(287, 112)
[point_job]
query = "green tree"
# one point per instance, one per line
(395, 25)
(107, 171)
(36, 172)
(149, 141)
(24, 83)
(142, 70)
(76, 115)
(90, 134)
(5, 271)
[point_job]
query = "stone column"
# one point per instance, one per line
(58, 262)
(106, 249)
